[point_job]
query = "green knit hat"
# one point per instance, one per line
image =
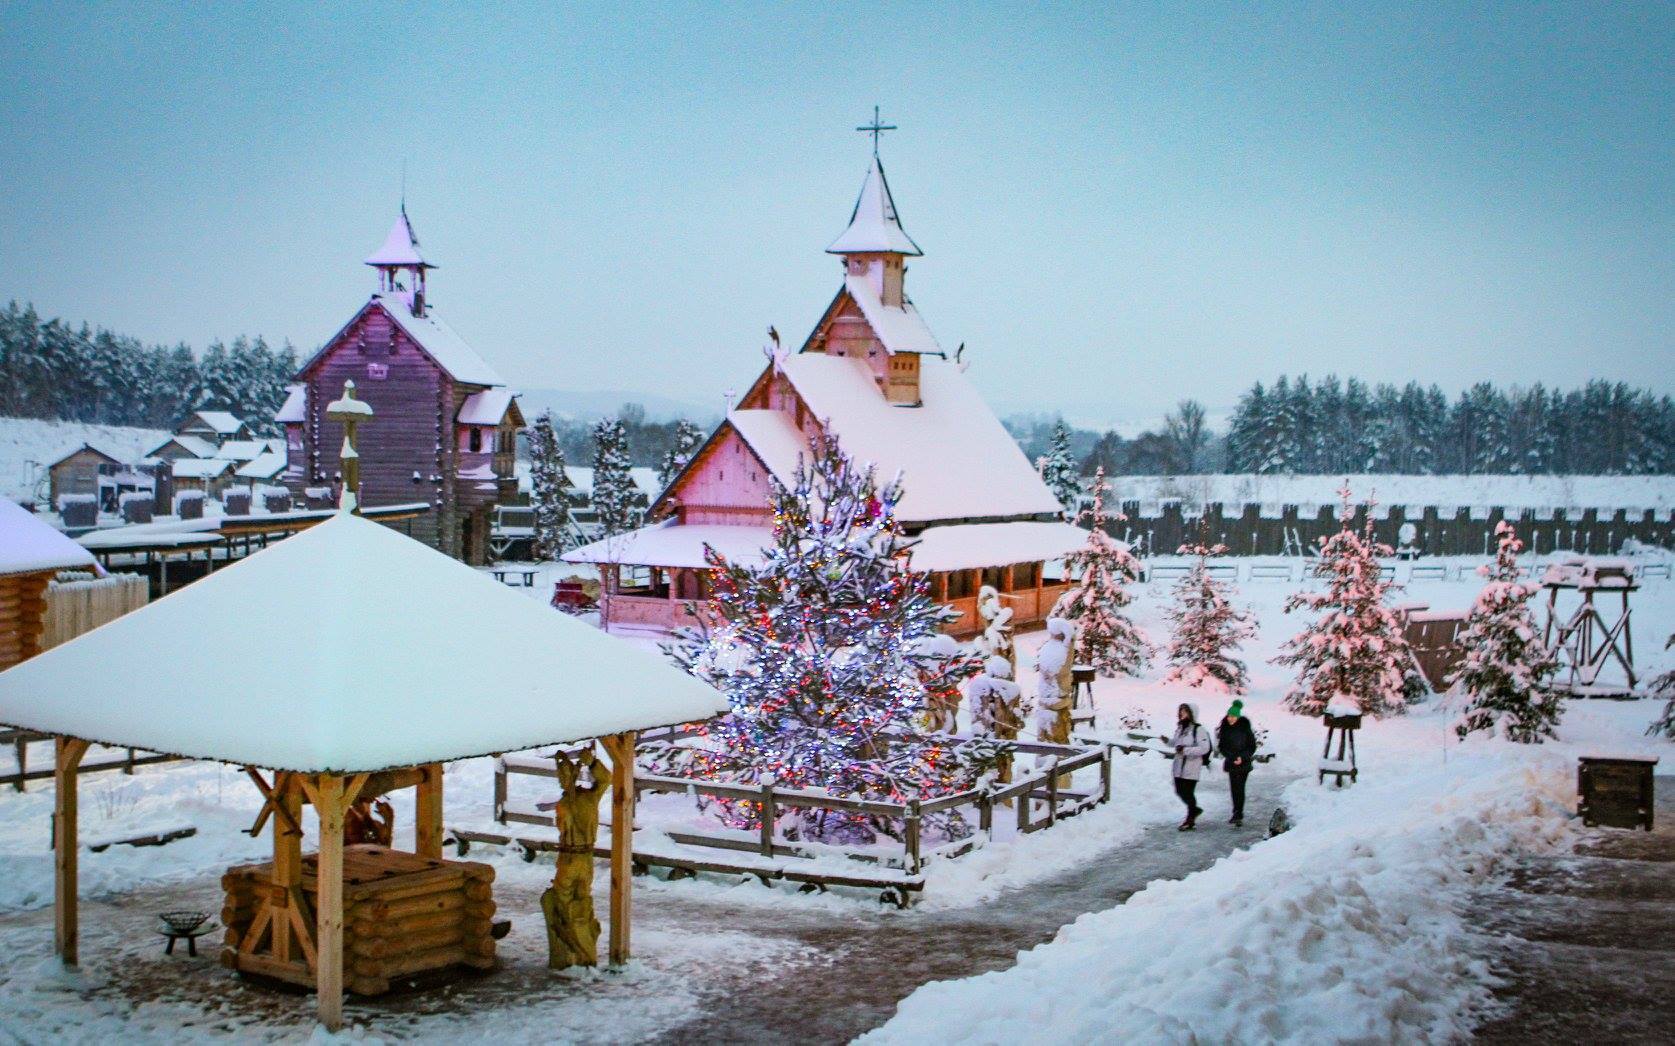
(1235, 710)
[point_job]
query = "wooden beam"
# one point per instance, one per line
(620, 747)
(427, 813)
(287, 858)
(330, 804)
(64, 844)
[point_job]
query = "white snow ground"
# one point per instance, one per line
(1322, 920)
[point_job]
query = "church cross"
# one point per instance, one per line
(876, 128)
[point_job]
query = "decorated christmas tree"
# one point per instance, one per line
(1355, 647)
(1502, 683)
(1664, 686)
(1058, 470)
(1207, 629)
(687, 438)
(1103, 568)
(826, 652)
(613, 485)
(549, 496)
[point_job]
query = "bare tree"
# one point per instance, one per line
(1185, 433)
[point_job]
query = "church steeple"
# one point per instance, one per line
(875, 246)
(400, 256)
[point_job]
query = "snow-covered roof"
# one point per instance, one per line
(901, 329)
(400, 247)
(957, 460)
(580, 478)
(669, 544)
(380, 673)
(487, 407)
(241, 449)
(221, 422)
(439, 341)
(874, 227)
(28, 544)
(965, 546)
(196, 446)
(199, 468)
(296, 397)
(265, 465)
(78, 448)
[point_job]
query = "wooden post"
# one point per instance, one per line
(427, 813)
(287, 862)
(332, 798)
(64, 844)
(910, 829)
(620, 747)
(770, 814)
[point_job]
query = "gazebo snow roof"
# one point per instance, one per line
(28, 545)
(393, 655)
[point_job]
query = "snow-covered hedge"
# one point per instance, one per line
(1347, 928)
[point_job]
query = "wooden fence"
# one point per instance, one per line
(74, 607)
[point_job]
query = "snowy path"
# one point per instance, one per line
(1590, 949)
(872, 960)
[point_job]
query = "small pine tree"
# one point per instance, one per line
(1356, 646)
(613, 485)
(1058, 470)
(687, 438)
(1104, 568)
(1207, 628)
(826, 652)
(1502, 683)
(550, 497)
(1664, 686)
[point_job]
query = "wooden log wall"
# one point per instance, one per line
(23, 605)
(1247, 530)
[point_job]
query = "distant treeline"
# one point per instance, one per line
(1295, 426)
(55, 370)
(649, 442)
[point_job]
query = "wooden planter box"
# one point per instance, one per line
(402, 915)
(1615, 791)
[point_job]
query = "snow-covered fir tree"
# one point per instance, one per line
(825, 653)
(1355, 647)
(1106, 637)
(1058, 470)
(686, 440)
(613, 485)
(1206, 628)
(1664, 686)
(1502, 685)
(550, 497)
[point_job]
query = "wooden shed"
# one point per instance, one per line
(31, 555)
(400, 659)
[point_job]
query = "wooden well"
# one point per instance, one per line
(402, 915)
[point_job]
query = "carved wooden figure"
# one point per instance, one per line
(572, 926)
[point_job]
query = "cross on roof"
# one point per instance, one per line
(875, 129)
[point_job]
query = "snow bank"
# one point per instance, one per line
(1346, 928)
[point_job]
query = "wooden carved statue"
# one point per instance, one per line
(572, 928)
(997, 706)
(369, 821)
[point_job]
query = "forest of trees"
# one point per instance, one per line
(56, 370)
(1330, 426)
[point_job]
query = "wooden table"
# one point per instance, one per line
(527, 575)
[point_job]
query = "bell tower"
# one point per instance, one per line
(875, 247)
(401, 268)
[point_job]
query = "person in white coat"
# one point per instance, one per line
(1192, 749)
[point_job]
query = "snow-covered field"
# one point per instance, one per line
(28, 445)
(1509, 492)
(1352, 914)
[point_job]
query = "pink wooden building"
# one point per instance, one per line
(871, 373)
(445, 425)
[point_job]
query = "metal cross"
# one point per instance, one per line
(875, 129)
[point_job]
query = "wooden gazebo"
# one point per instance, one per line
(394, 659)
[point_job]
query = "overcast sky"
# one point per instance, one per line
(1119, 206)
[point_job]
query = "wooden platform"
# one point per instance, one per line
(403, 915)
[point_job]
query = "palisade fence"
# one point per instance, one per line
(77, 604)
(1267, 529)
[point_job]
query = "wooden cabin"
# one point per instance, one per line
(179, 446)
(85, 470)
(31, 555)
(215, 426)
(447, 424)
(872, 374)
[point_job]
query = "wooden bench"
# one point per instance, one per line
(1431, 572)
(1270, 572)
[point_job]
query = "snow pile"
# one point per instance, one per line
(1346, 928)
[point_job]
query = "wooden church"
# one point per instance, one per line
(446, 428)
(872, 374)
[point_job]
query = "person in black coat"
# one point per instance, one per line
(1237, 743)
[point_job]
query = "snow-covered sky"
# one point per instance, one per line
(1119, 206)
